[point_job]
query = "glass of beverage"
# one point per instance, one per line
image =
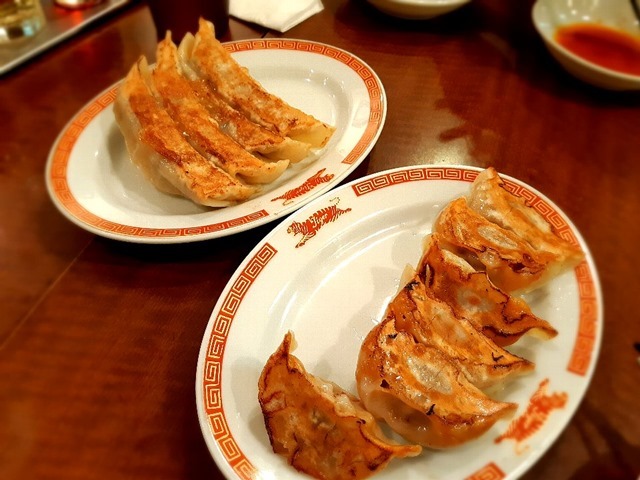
(20, 19)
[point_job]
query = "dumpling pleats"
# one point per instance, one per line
(432, 322)
(251, 136)
(199, 128)
(490, 198)
(157, 146)
(321, 429)
(500, 316)
(419, 392)
(510, 262)
(212, 62)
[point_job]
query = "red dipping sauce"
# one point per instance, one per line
(604, 46)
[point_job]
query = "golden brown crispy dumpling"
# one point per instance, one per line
(492, 200)
(432, 322)
(502, 317)
(510, 262)
(158, 148)
(322, 430)
(419, 392)
(199, 128)
(212, 62)
(252, 137)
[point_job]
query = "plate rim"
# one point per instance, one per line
(589, 326)
(62, 149)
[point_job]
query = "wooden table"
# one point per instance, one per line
(99, 339)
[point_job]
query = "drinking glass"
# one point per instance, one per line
(20, 19)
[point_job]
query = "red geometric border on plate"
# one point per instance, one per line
(587, 330)
(489, 472)
(236, 459)
(417, 174)
(61, 188)
(368, 77)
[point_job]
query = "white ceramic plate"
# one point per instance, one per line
(92, 181)
(331, 290)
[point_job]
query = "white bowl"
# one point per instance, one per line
(417, 9)
(549, 15)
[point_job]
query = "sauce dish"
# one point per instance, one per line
(417, 9)
(604, 23)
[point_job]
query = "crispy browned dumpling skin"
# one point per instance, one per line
(251, 136)
(157, 146)
(432, 322)
(491, 199)
(502, 317)
(420, 392)
(212, 61)
(199, 128)
(510, 262)
(322, 430)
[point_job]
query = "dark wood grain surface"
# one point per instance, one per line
(99, 339)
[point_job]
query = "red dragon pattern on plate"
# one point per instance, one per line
(309, 184)
(534, 417)
(310, 227)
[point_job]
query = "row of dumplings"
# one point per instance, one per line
(424, 368)
(199, 125)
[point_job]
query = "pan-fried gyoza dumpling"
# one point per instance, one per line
(491, 199)
(322, 430)
(510, 262)
(502, 317)
(252, 137)
(419, 392)
(212, 62)
(158, 148)
(199, 128)
(432, 322)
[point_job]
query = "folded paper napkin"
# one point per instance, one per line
(280, 15)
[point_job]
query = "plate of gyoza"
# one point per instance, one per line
(213, 139)
(437, 322)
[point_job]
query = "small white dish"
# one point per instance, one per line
(94, 184)
(549, 15)
(417, 9)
